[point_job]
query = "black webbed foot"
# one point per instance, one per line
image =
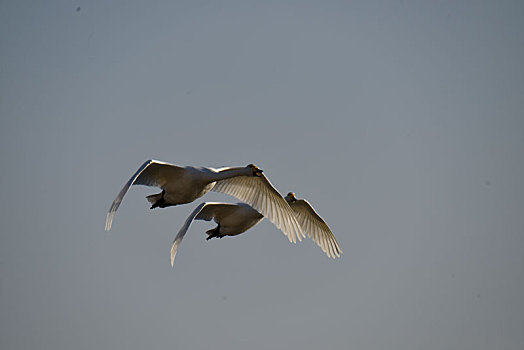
(213, 233)
(161, 203)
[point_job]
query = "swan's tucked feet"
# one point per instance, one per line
(160, 203)
(213, 233)
(158, 200)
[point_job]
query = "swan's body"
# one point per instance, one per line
(315, 227)
(181, 185)
(234, 219)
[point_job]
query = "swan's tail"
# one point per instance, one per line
(154, 198)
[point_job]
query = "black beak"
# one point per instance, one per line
(259, 172)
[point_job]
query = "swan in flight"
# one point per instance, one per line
(234, 219)
(181, 185)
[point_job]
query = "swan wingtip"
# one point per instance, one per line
(109, 221)
(174, 247)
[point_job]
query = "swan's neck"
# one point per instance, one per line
(232, 172)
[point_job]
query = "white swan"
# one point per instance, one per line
(315, 227)
(234, 219)
(182, 185)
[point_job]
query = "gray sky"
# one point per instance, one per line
(400, 121)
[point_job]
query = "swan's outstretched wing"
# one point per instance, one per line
(316, 227)
(259, 193)
(205, 211)
(151, 173)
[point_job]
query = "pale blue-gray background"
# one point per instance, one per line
(401, 121)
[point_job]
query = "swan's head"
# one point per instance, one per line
(291, 197)
(256, 170)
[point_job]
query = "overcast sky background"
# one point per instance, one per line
(400, 121)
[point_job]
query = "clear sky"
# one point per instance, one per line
(400, 121)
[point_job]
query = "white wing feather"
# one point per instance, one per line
(151, 173)
(180, 235)
(316, 228)
(259, 193)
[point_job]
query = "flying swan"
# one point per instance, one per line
(181, 185)
(234, 219)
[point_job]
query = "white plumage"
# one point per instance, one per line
(234, 219)
(182, 185)
(315, 227)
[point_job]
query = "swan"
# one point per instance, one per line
(315, 227)
(231, 219)
(181, 185)
(234, 219)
